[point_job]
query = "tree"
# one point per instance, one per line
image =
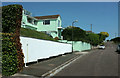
(105, 33)
(92, 38)
(101, 38)
(116, 40)
(78, 33)
(81, 35)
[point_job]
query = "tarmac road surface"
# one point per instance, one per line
(96, 63)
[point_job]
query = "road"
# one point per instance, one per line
(96, 63)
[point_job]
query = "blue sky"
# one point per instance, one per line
(102, 15)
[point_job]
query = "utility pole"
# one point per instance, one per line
(72, 35)
(115, 35)
(72, 32)
(91, 27)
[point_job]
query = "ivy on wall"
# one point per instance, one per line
(11, 24)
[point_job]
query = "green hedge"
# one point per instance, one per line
(9, 55)
(11, 23)
(11, 16)
(116, 40)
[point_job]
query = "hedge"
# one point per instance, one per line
(9, 55)
(11, 24)
(116, 40)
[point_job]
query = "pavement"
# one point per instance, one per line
(47, 67)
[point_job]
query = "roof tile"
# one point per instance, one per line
(47, 17)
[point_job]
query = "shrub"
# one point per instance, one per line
(56, 38)
(11, 23)
(9, 55)
(78, 33)
(116, 40)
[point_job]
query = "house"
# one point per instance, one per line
(28, 21)
(50, 24)
(88, 32)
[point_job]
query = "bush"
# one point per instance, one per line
(11, 18)
(81, 35)
(9, 55)
(56, 38)
(93, 39)
(78, 33)
(11, 23)
(116, 40)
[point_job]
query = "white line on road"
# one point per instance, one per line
(59, 68)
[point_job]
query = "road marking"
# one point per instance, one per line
(62, 66)
(81, 52)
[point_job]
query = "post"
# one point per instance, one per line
(91, 27)
(27, 52)
(72, 36)
(27, 55)
(115, 35)
(72, 32)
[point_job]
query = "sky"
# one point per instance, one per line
(102, 15)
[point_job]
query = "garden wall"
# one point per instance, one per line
(34, 49)
(78, 45)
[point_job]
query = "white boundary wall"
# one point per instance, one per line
(34, 49)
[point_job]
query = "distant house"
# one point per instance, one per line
(48, 24)
(88, 32)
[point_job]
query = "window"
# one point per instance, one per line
(35, 22)
(23, 22)
(46, 22)
(29, 20)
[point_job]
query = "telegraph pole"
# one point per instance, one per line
(72, 32)
(91, 27)
(115, 35)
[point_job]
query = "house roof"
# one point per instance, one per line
(88, 31)
(47, 17)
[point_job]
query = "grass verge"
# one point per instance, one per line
(35, 34)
